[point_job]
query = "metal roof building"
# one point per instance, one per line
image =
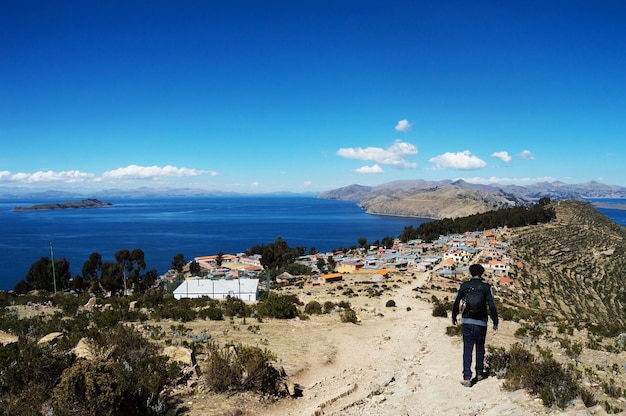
(244, 289)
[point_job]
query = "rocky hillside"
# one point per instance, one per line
(438, 202)
(574, 267)
(453, 199)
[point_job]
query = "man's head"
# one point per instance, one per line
(476, 270)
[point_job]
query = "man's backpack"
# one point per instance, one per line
(474, 303)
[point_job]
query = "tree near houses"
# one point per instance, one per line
(144, 281)
(332, 263)
(137, 262)
(131, 264)
(122, 257)
(92, 266)
(178, 263)
(277, 256)
(111, 276)
(321, 264)
(388, 242)
(41, 276)
(194, 268)
(134, 266)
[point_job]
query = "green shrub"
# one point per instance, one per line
(344, 304)
(277, 306)
(234, 307)
(497, 361)
(181, 310)
(104, 319)
(212, 312)
(521, 332)
(313, 307)
(440, 310)
(553, 383)
(69, 304)
(390, 303)
(349, 315)
(154, 297)
(29, 373)
(131, 381)
(453, 331)
(587, 397)
(241, 368)
(93, 388)
(328, 306)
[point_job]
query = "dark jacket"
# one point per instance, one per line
(481, 316)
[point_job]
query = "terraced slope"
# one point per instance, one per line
(575, 266)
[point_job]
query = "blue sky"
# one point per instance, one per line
(307, 96)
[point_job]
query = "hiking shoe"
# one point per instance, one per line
(481, 377)
(466, 383)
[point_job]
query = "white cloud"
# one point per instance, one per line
(394, 155)
(70, 176)
(526, 154)
(459, 160)
(504, 156)
(370, 169)
(75, 177)
(403, 126)
(152, 172)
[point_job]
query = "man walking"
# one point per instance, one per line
(473, 298)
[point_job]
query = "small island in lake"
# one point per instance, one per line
(85, 203)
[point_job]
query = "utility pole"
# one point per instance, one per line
(54, 275)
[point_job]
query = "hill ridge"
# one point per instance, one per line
(574, 265)
(454, 199)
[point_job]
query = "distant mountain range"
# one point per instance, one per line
(453, 199)
(409, 198)
(142, 192)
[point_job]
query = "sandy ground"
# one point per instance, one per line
(396, 361)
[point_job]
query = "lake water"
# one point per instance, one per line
(617, 215)
(194, 226)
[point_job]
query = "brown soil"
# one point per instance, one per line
(395, 361)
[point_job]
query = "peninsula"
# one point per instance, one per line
(85, 203)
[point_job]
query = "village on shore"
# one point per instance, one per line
(446, 261)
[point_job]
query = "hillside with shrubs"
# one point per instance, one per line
(574, 268)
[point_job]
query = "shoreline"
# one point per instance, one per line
(606, 205)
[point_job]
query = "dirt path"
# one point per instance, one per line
(400, 364)
(396, 361)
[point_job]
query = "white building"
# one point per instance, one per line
(244, 289)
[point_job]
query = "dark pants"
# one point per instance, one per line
(473, 336)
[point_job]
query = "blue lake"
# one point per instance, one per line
(194, 226)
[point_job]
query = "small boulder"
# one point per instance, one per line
(85, 349)
(50, 337)
(181, 354)
(6, 339)
(91, 303)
